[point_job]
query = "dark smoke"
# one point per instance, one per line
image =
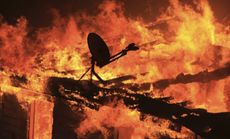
(40, 12)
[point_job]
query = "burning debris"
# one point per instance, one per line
(178, 87)
(203, 123)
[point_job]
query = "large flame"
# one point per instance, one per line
(183, 39)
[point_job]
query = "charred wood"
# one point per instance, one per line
(201, 122)
(202, 77)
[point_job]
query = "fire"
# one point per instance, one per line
(192, 41)
(126, 123)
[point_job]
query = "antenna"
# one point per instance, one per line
(100, 54)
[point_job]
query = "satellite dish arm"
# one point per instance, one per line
(130, 47)
(118, 55)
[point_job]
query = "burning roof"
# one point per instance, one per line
(184, 53)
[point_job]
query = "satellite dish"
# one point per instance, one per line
(100, 54)
(98, 49)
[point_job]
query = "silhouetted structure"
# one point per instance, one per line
(100, 54)
(201, 122)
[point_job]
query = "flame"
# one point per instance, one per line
(126, 122)
(191, 41)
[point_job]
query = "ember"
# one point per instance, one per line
(176, 85)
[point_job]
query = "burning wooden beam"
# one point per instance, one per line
(202, 77)
(201, 122)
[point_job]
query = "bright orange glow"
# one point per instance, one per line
(193, 42)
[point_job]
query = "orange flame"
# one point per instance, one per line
(192, 41)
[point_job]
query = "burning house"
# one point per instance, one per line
(104, 70)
